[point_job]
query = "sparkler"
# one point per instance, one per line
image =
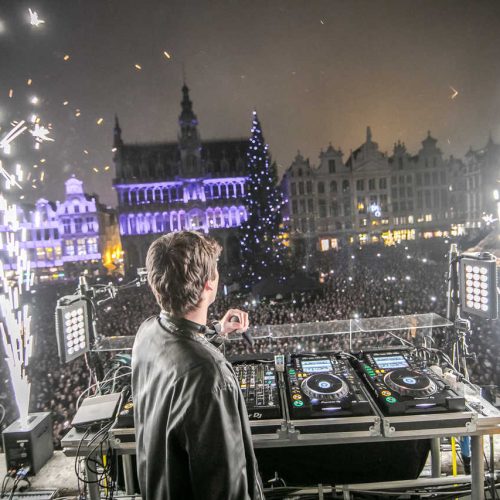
(15, 318)
(34, 19)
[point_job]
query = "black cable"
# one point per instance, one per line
(5, 482)
(14, 488)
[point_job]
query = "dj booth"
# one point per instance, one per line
(361, 415)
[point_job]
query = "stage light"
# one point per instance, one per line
(478, 285)
(72, 327)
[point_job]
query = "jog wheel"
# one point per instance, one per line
(324, 385)
(410, 383)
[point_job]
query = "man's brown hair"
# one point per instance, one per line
(178, 265)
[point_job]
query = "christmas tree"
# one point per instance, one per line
(262, 249)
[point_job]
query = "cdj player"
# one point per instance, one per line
(402, 385)
(324, 386)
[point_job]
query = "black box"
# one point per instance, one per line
(31, 445)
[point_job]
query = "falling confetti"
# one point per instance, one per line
(66, 57)
(106, 167)
(34, 100)
(95, 169)
(166, 54)
(99, 121)
(11, 93)
(30, 81)
(34, 19)
(85, 151)
(455, 92)
(138, 67)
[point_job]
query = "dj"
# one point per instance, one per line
(193, 435)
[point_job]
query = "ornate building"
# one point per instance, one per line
(184, 184)
(482, 177)
(373, 196)
(65, 238)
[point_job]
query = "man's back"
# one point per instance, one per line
(193, 437)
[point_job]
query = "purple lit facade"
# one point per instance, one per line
(187, 184)
(64, 236)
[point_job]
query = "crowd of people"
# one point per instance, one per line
(355, 283)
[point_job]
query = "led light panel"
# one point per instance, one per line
(478, 285)
(72, 327)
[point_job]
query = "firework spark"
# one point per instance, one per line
(34, 19)
(41, 134)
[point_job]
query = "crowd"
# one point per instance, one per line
(356, 283)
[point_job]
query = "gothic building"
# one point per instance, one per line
(185, 184)
(63, 239)
(373, 196)
(482, 178)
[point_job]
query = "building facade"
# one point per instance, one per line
(482, 178)
(185, 184)
(63, 239)
(373, 196)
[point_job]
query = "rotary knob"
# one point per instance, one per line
(323, 386)
(410, 383)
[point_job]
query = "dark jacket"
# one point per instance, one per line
(192, 430)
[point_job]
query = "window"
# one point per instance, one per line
(301, 188)
(361, 205)
(394, 192)
(409, 191)
(428, 203)
(78, 225)
(394, 179)
(400, 163)
(434, 162)
(300, 172)
(40, 254)
(309, 187)
(345, 186)
(334, 209)
(294, 188)
(347, 209)
(331, 166)
(401, 191)
(427, 179)
(371, 184)
(302, 206)
(69, 247)
(294, 206)
(321, 187)
(92, 245)
(360, 185)
(310, 206)
(76, 208)
(419, 179)
(382, 183)
(49, 252)
(82, 250)
(333, 187)
(66, 226)
(90, 224)
(419, 199)
(322, 207)
(443, 177)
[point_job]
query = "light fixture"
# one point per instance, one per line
(478, 285)
(72, 327)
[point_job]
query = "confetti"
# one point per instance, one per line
(95, 169)
(166, 54)
(455, 92)
(138, 67)
(34, 19)
(65, 103)
(77, 113)
(99, 121)
(30, 81)
(42, 175)
(34, 100)
(66, 57)
(11, 93)
(106, 167)
(42, 160)
(85, 151)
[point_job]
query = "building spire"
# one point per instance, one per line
(117, 134)
(368, 134)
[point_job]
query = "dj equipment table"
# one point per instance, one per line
(362, 429)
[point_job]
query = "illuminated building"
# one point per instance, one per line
(183, 184)
(373, 197)
(65, 238)
(482, 177)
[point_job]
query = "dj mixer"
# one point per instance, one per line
(403, 385)
(259, 386)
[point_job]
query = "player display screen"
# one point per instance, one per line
(316, 365)
(390, 362)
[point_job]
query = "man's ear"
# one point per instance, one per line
(209, 285)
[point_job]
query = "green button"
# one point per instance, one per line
(390, 399)
(291, 372)
(298, 403)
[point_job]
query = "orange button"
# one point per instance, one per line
(297, 396)
(386, 393)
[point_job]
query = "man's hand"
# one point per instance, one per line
(229, 326)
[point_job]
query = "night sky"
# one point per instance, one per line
(316, 72)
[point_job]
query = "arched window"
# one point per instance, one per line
(230, 190)
(321, 187)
